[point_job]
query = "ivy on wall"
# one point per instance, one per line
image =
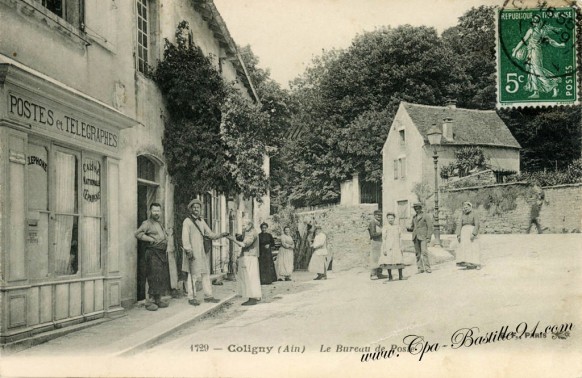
(212, 136)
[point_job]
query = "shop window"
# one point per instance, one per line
(64, 211)
(38, 216)
(70, 10)
(91, 224)
(66, 232)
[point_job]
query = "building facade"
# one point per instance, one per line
(81, 153)
(407, 156)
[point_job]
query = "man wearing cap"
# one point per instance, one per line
(422, 229)
(194, 260)
(375, 231)
(152, 232)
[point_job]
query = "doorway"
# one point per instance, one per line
(147, 187)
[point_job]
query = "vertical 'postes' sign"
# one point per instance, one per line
(536, 57)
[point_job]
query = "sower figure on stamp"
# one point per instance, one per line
(422, 229)
(152, 232)
(249, 282)
(529, 49)
(194, 260)
(375, 231)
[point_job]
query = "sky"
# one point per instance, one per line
(287, 34)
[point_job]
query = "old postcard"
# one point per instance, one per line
(307, 188)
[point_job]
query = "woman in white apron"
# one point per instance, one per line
(469, 251)
(318, 262)
(391, 257)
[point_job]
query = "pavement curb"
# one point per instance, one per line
(166, 330)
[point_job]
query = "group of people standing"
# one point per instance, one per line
(386, 252)
(255, 263)
(256, 266)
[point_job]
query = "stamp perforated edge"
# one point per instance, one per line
(539, 104)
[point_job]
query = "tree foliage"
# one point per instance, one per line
(346, 99)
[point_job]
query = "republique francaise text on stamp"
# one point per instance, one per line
(536, 57)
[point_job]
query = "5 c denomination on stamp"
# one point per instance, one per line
(536, 57)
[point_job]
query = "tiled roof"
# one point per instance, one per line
(475, 127)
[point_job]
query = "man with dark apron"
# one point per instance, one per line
(152, 232)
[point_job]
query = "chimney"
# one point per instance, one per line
(452, 103)
(448, 129)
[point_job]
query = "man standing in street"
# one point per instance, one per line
(194, 259)
(152, 232)
(422, 229)
(375, 230)
(536, 207)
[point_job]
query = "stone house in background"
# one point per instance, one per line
(407, 155)
(81, 154)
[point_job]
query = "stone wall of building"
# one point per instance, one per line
(346, 228)
(505, 208)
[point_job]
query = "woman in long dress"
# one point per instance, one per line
(468, 252)
(391, 257)
(248, 265)
(266, 263)
(285, 256)
(318, 262)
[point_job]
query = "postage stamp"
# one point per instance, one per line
(536, 57)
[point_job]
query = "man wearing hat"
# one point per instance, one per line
(194, 259)
(375, 230)
(422, 229)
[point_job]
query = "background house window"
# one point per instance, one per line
(402, 137)
(70, 10)
(396, 170)
(399, 168)
(402, 167)
(402, 209)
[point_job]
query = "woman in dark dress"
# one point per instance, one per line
(266, 263)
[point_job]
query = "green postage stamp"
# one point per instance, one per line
(536, 57)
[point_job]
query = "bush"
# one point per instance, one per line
(571, 175)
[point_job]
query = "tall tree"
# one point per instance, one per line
(276, 105)
(472, 41)
(347, 100)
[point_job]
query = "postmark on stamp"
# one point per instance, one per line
(536, 57)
